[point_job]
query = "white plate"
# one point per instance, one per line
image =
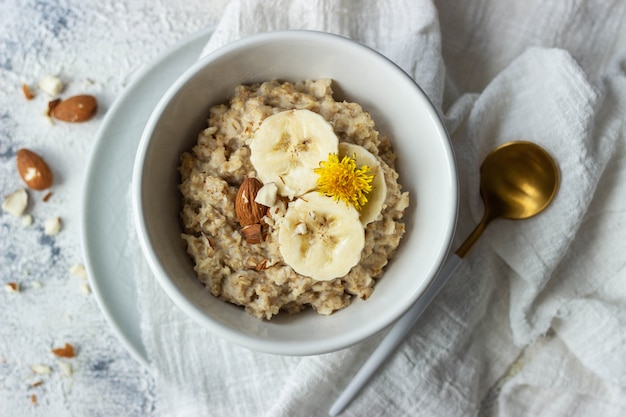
(105, 212)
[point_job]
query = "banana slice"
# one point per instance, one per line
(376, 197)
(288, 146)
(321, 238)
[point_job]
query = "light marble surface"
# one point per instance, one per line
(94, 48)
(98, 47)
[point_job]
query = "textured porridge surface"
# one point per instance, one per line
(254, 275)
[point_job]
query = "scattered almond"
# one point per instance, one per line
(248, 211)
(75, 109)
(33, 170)
(52, 226)
(16, 202)
(12, 287)
(252, 233)
(66, 351)
(27, 93)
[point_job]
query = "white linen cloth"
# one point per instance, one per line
(533, 322)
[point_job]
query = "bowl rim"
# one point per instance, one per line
(291, 348)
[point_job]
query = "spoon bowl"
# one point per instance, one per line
(517, 180)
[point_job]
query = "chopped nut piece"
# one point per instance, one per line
(300, 229)
(51, 85)
(51, 105)
(65, 352)
(16, 202)
(267, 194)
(36, 284)
(27, 93)
(66, 368)
(78, 270)
(41, 369)
(12, 287)
(52, 226)
(27, 220)
(85, 289)
(47, 197)
(33, 399)
(36, 383)
(262, 265)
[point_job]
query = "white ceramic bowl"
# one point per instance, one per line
(399, 108)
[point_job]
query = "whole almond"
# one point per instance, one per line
(33, 170)
(248, 211)
(252, 233)
(75, 109)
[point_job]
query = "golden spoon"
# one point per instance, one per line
(517, 180)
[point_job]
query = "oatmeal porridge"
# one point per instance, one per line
(290, 200)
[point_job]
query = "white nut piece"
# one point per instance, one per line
(16, 202)
(12, 287)
(66, 368)
(41, 369)
(267, 194)
(78, 270)
(27, 220)
(52, 226)
(51, 85)
(85, 289)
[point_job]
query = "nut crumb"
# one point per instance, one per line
(33, 399)
(12, 287)
(78, 270)
(36, 383)
(47, 197)
(36, 284)
(16, 202)
(41, 369)
(27, 220)
(66, 351)
(66, 368)
(52, 226)
(51, 85)
(85, 289)
(27, 93)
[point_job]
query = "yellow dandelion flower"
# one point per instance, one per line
(342, 180)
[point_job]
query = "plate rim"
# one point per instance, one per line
(100, 141)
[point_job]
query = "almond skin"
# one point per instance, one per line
(252, 233)
(75, 109)
(33, 170)
(248, 211)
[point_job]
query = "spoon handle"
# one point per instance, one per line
(397, 333)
